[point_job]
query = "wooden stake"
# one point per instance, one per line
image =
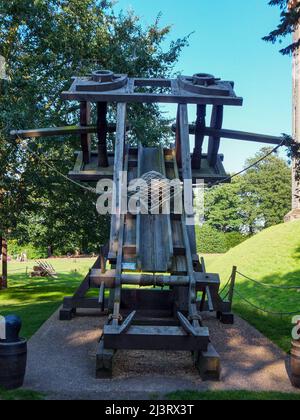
(232, 284)
(3, 283)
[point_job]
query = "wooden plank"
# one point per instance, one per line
(214, 141)
(122, 96)
(166, 220)
(186, 168)
(85, 119)
(155, 249)
(156, 338)
(177, 235)
(118, 167)
(120, 217)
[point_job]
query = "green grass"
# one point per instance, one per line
(35, 300)
(21, 394)
(271, 257)
(230, 396)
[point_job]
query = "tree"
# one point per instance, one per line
(258, 199)
(223, 207)
(267, 186)
(289, 22)
(45, 43)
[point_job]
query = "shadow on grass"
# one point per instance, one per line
(35, 300)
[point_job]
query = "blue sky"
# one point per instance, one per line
(227, 43)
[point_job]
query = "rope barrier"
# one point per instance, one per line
(264, 310)
(225, 287)
(253, 165)
(270, 286)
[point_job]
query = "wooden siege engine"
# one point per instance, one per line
(156, 288)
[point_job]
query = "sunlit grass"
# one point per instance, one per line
(35, 299)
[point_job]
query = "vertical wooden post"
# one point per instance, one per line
(178, 141)
(199, 137)
(102, 134)
(102, 260)
(85, 119)
(3, 283)
(214, 142)
(232, 284)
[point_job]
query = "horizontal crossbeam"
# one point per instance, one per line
(59, 131)
(156, 338)
(235, 135)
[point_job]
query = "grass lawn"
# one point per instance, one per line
(231, 396)
(21, 394)
(271, 257)
(36, 299)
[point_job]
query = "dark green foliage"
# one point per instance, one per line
(210, 241)
(289, 20)
(234, 239)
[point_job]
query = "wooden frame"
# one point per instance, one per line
(152, 319)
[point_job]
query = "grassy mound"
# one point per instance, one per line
(273, 258)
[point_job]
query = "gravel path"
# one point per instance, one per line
(61, 363)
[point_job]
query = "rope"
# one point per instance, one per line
(65, 177)
(270, 286)
(265, 310)
(226, 285)
(253, 165)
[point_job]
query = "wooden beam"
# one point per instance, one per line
(85, 117)
(178, 140)
(237, 135)
(186, 167)
(155, 338)
(199, 136)
(150, 98)
(71, 130)
(214, 141)
(102, 134)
